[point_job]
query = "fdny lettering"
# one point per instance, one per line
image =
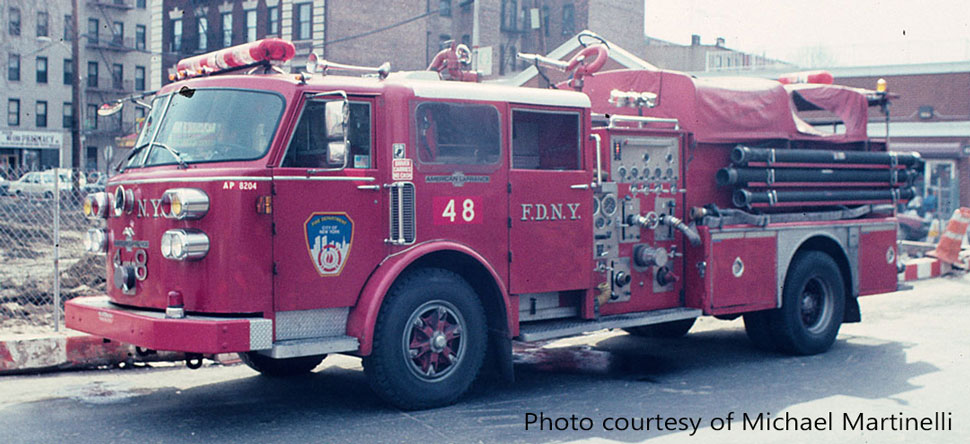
(143, 207)
(541, 212)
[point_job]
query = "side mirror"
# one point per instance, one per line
(337, 153)
(337, 115)
(109, 109)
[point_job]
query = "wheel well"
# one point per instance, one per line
(477, 276)
(499, 352)
(834, 250)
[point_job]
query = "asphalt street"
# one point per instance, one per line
(907, 359)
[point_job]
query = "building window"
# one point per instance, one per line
(41, 114)
(202, 25)
(13, 112)
(13, 67)
(251, 25)
(139, 78)
(68, 112)
(92, 74)
(304, 26)
(141, 4)
(14, 24)
(509, 11)
(118, 34)
(43, 20)
(68, 71)
(444, 8)
(91, 117)
(91, 160)
(140, 37)
(117, 74)
(93, 31)
(568, 19)
(226, 29)
(176, 35)
(273, 22)
(68, 28)
(444, 41)
(41, 69)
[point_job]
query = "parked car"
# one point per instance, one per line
(40, 183)
(4, 183)
(95, 186)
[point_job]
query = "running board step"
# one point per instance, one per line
(537, 331)
(313, 346)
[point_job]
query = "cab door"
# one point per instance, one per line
(327, 216)
(550, 202)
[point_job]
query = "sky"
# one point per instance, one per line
(821, 33)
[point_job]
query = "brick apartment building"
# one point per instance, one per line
(405, 33)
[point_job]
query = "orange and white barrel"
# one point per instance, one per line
(948, 250)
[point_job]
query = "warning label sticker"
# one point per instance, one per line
(402, 169)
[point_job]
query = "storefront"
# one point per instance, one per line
(30, 150)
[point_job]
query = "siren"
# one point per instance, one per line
(817, 77)
(247, 54)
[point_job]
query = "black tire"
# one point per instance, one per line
(426, 315)
(812, 307)
(669, 330)
(757, 326)
(281, 367)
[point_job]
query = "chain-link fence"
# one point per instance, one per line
(42, 257)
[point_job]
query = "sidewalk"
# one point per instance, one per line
(73, 350)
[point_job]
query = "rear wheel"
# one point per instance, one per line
(281, 367)
(672, 329)
(429, 342)
(813, 304)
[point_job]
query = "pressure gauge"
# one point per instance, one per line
(600, 223)
(596, 206)
(608, 205)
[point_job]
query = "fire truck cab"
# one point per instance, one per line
(423, 225)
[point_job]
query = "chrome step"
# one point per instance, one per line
(537, 331)
(313, 346)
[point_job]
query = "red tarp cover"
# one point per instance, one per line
(733, 109)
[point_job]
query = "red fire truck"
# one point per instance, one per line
(425, 224)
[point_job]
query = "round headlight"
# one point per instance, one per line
(87, 208)
(175, 206)
(166, 245)
(177, 246)
(95, 241)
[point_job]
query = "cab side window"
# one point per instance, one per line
(456, 133)
(544, 140)
(308, 146)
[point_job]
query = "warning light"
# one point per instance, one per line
(260, 51)
(881, 85)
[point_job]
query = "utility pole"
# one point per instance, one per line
(75, 96)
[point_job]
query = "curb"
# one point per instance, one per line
(73, 350)
(921, 268)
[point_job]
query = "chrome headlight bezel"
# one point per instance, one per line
(96, 205)
(184, 244)
(185, 203)
(96, 240)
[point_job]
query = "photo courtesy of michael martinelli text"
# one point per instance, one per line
(939, 421)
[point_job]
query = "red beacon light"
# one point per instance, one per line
(817, 77)
(264, 51)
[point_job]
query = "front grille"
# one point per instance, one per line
(402, 213)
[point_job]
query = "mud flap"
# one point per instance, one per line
(499, 357)
(852, 311)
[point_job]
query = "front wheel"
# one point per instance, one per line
(813, 304)
(429, 342)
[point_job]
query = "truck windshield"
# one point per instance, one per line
(207, 125)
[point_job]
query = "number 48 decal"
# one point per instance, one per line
(456, 210)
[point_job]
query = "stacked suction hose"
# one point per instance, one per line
(769, 177)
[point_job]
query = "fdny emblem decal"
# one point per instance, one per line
(329, 237)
